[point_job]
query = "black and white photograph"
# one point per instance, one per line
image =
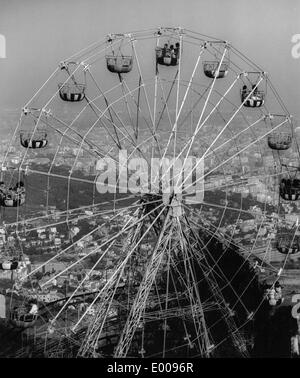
(149, 182)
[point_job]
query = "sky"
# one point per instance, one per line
(40, 33)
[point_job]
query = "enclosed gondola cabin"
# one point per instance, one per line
(210, 69)
(279, 141)
(25, 315)
(72, 92)
(9, 202)
(37, 140)
(288, 243)
(12, 197)
(255, 100)
(287, 250)
(289, 189)
(19, 318)
(119, 64)
(166, 57)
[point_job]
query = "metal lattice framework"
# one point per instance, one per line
(197, 113)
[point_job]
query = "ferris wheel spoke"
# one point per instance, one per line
(233, 137)
(92, 105)
(226, 207)
(232, 63)
(188, 310)
(143, 83)
(103, 94)
(124, 87)
(187, 336)
(167, 295)
(222, 130)
(136, 130)
(177, 113)
(198, 315)
(200, 124)
(125, 228)
(83, 139)
(63, 134)
(216, 271)
(111, 110)
(79, 211)
(115, 139)
(196, 242)
(29, 170)
(173, 133)
(155, 88)
(210, 91)
(247, 253)
(228, 282)
(117, 212)
(236, 154)
(221, 217)
(65, 250)
(141, 112)
(11, 142)
(165, 106)
(244, 180)
(90, 343)
(103, 114)
(114, 290)
(196, 103)
(143, 292)
(217, 293)
(214, 290)
(42, 87)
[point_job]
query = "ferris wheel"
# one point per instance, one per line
(152, 173)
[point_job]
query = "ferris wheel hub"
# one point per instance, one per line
(174, 201)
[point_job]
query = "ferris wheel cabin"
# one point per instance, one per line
(12, 197)
(119, 64)
(72, 92)
(288, 244)
(255, 100)
(38, 140)
(166, 56)
(211, 68)
(289, 189)
(280, 141)
(20, 318)
(13, 202)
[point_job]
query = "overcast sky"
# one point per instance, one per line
(40, 33)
